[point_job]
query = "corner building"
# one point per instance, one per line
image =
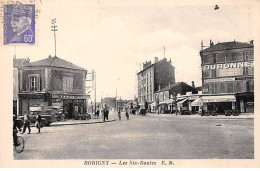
(52, 82)
(228, 77)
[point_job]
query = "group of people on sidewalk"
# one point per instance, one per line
(104, 114)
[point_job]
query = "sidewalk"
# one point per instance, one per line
(78, 122)
(241, 116)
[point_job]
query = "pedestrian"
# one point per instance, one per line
(38, 122)
(97, 114)
(26, 123)
(105, 113)
(119, 114)
(126, 114)
(15, 126)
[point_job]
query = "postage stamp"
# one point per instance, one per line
(19, 24)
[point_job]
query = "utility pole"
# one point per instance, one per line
(54, 29)
(164, 51)
(95, 77)
(93, 80)
(116, 99)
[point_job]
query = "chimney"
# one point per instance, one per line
(49, 56)
(201, 44)
(252, 42)
(159, 87)
(155, 59)
(169, 85)
(192, 84)
(211, 43)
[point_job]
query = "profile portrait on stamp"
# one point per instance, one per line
(19, 24)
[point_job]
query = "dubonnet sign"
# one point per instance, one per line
(229, 65)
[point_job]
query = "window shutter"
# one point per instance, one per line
(28, 84)
(38, 83)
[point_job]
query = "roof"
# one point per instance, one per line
(228, 46)
(156, 63)
(19, 62)
(171, 86)
(55, 62)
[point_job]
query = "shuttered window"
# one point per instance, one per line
(67, 84)
(34, 82)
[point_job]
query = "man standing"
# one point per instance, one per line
(105, 112)
(38, 122)
(26, 123)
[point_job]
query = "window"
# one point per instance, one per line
(67, 84)
(249, 55)
(251, 86)
(238, 56)
(230, 87)
(208, 59)
(34, 82)
(222, 88)
(207, 73)
(229, 57)
(250, 70)
(238, 87)
(220, 58)
(214, 88)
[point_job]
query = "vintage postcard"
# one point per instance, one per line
(129, 84)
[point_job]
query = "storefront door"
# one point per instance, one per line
(70, 110)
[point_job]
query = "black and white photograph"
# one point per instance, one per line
(129, 84)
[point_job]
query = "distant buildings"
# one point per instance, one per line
(228, 76)
(110, 102)
(52, 82)
(153, 77)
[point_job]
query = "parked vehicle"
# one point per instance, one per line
(48, 114)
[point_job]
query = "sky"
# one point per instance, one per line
(114, 39)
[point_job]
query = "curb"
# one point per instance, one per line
(209, 117)
(80, 123)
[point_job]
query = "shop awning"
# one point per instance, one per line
(168, 101)
(226, 98)
(181, 102)
(193, 97)
(197, 102)
(153, 104)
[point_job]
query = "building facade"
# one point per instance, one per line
(228, 77)
(16, 64)
(152, 77)
(52, 82)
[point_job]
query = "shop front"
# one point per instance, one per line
(245, 102)
(219, 104)
(71, 105)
